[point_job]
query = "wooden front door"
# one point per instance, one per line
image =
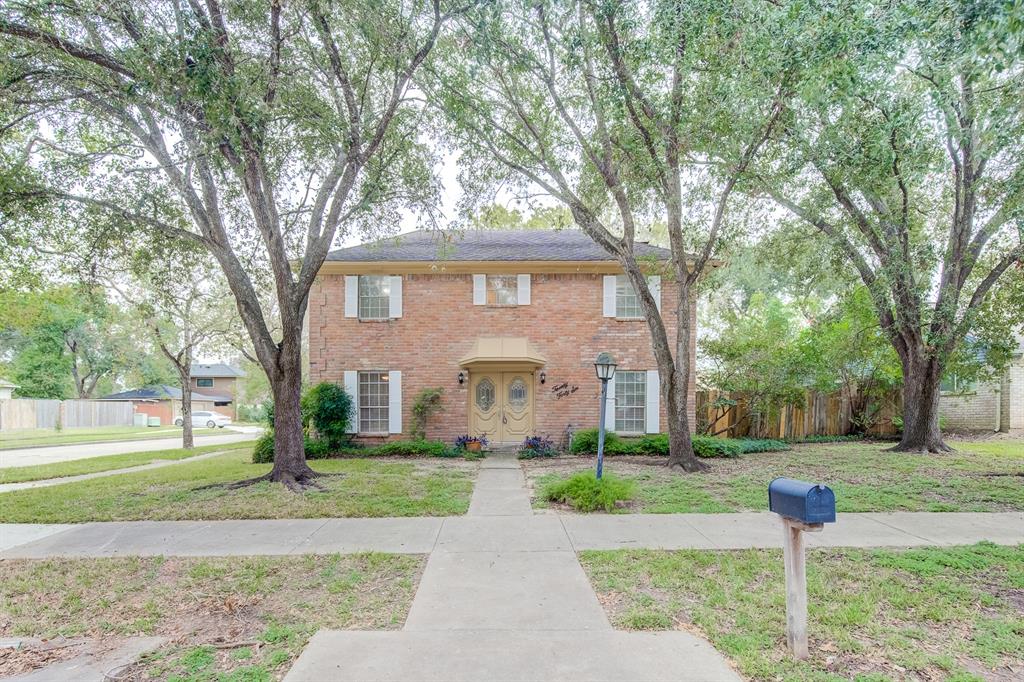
(501, 406)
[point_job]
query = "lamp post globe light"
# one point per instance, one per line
(605, 368)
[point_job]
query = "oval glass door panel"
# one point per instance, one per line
(517, 410)
(517, 393)
(484, 412)
(485, 394)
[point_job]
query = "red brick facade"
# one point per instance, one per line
(439, 324)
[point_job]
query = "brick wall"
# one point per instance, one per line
(564, 322)
(973, 411)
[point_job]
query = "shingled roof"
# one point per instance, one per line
(486, 245)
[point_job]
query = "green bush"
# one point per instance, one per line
(585, 493)
(826, 439)
(709, 447)
(748, 445)
(413, 448)
(263, 452)
(585, 443)
(327, 408)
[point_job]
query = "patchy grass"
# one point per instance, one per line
(923, 614)
(238, 618)
(42, 437)
(362, 487)
(980, 476)
(91, 465)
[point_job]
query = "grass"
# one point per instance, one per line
(238, 618)
(980, 476)
(935, 613)
(91, 465)
(41, 437)
(362, 487)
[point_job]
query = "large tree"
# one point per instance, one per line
(905, 147)
(271, 127)
(614, 109)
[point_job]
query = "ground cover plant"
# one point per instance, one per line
(952, 613)
(980, 476)
(585, 492)
(40, 437)
(238, 618)
(351, 488)
(38, 472)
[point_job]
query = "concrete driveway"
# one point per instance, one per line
(67, 453)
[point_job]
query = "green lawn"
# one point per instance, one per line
(363, 487)
(40, 437)
(922, 614)
(980, 476)
(39, 472)
(238, 618)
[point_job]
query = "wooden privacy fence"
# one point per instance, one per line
(820, 414)
(26, 413)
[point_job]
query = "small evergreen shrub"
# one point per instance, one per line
(584, 442)
(536, 446)
(710, 448)
(748, 445)
(263, 452)
(412, 448)
(585, 493)
(327, 408)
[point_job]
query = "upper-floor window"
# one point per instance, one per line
(630, 402)
(502, 290)
(204, 382)
(374, 400)
(952, 383)
(374, 297)
(627, 303)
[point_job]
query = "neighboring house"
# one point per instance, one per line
(6, 389)
(508, 323)
(996, 405)
(165, 402)
(218, 380)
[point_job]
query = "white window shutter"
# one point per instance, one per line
(654, 284)
(395, 401)
(653, 402)
(523, 288)
(609, 406)
(395, 303)
(351, 296)
(479, 289)
(609, 295)
(352, 388)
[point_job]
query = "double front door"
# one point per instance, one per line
(501, 406)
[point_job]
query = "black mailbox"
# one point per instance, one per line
(802, 501)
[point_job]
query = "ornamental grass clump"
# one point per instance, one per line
(586, 493)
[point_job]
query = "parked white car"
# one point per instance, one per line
(207, 419)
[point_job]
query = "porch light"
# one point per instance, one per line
(543, 377)
(462, 378)
(605, 366)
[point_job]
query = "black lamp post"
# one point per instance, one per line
(605, 367)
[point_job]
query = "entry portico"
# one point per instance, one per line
(502, 376)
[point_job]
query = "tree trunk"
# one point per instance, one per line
(680, 443)
(921, 378)
(290, 466)
(187, 439)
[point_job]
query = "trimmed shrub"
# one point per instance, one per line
(710, 448)
(585, 493)
(412, 448)
(749, 445)
(584, 442)
(536, 446)
(327, 408)
(263, 452)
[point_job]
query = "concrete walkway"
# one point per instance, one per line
(157, 464)
(420, 535)
(68, 453)
(503, 597)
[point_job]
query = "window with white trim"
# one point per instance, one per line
(373, 402)
(630, 402)
(953, 383)
(627, 303)
(374, 297)
(502, 290)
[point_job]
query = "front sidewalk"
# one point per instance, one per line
(420, 535)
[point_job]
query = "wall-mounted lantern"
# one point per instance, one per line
(543, 377)
(462, 378)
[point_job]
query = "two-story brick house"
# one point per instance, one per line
(508, 323)
(219, 381)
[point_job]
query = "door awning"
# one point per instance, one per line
(503, 350)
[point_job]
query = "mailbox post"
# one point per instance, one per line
(804, 508)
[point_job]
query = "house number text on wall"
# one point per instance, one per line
(563, 389)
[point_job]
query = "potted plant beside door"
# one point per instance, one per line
(471, 443)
